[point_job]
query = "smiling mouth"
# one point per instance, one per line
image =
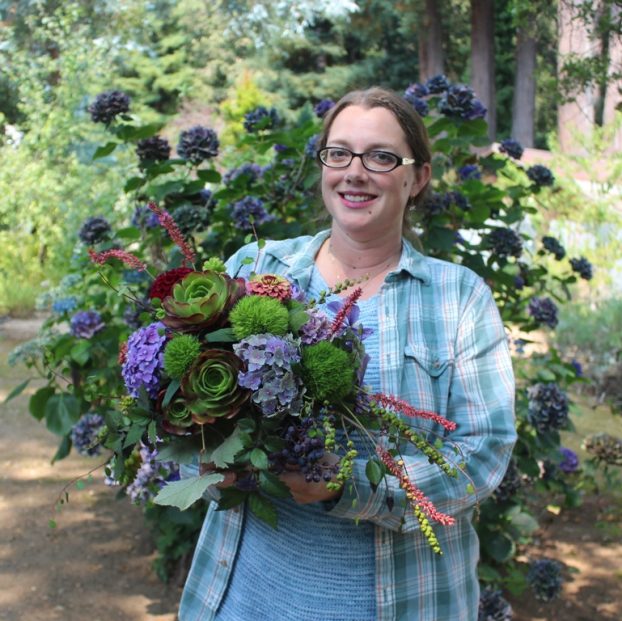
(357, 198)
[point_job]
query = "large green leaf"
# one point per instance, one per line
(62, 413)
(224, 455)
(182, 451)
(63, 449)
(38, 401)
(259, 459)
(263, 509)
(182, 494)
(81, 352)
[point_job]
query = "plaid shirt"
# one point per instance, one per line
(443, 348)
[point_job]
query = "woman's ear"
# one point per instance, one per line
(423, 175)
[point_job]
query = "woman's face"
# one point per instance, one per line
(364, 204)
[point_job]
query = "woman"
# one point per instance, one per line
(437, 342)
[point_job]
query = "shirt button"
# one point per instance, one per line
(223, 562)
(436, 364)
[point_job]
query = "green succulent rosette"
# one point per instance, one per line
(201, 300)
(211, 386)
(176, 416)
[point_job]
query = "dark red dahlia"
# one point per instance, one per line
(163, 284)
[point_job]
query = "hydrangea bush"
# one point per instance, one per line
(476, 213)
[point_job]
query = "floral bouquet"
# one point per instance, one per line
(244, 375)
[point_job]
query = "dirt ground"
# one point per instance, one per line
(96, 564)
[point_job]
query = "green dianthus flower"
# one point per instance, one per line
(179, 354)
(256, 314)
(214, 264)
(327, 372)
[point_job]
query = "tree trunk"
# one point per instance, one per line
(430, 42)
(612, 110)
(575, 119)
(483, 58)
(524, 101)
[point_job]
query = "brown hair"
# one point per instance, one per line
(410, 122)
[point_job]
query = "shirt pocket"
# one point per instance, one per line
(426, 380)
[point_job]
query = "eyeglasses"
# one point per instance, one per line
(374, 161)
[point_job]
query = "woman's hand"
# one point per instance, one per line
(230, 476)
(305, 492)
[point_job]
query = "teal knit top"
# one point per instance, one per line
(313, 566)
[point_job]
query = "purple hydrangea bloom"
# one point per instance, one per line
(269, 359)
(457, 199)
(153, 149)
(543, 310)
(85, 324)
(578, 369)
(297, 294)
(548, 407)
(280, 148)
(249, 211)
(84, 434)
(545, 579)
(437, 84)
(417, 90)
(198, 144)
(553, 246)
(317, 328)
(107, 106)
(505, 243)
(569, 462)
(260, 118)
(493, 606)
(420, 105)
(144, 218)
(470, 171)
(144, 360)
(513, 148)
(250, 170)
(94, 230)
(434, 204)
(540, 175)
(322, 107)
(459, 102)
(151, 476)
(582, 267)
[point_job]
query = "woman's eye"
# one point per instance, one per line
(338, 154)
(380, 157)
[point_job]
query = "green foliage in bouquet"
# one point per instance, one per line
(476, 213)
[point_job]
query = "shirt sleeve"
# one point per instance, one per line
(481, 402)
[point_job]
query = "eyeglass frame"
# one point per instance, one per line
(401, 161)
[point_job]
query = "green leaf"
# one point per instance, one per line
(374, 471)
(182, 494)
(173, 387)
(62, 412)
(297, 318)
(263, 509)
(152, 432)
(224, 335)
(134, 434)
(17, 390)
(63, 449)
(106, 149)
(133, 184)
(271, 484)
(129, 232)
(37, 402)
(231, 497)
(500, 547)
(210, 176)
(524, 523)
(259, 459)
(181, 451)
(52, 523)
(224, 455)
(81, 352)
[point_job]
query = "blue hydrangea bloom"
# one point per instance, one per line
(317, 327)
(434, 204)
(250, 170)
(513, 148)
(85, 324)
(322, 107)
(249, 211)
(458, 199)
(198, 144)
(493, 606)
(548, 406)
(94, 230)
(540, 175)
(417, 90)
(505, 242)
(459, 102)
(108, 105)
(84, 434)
(437, 84)
(151, 476)
(545, 578)
(543, 310)
(260, 118)
(420, 105)
(582, 267)
(553, 246)
(469, 171)
(64, 305)
(144, 360)
(569, 460)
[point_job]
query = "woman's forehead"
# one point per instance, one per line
(372, 126)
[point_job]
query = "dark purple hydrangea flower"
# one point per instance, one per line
(437, 84)
(312, 146)
(206, 199)
(578, 369)
(540, 175)
(583, 267)
(553, 246)
(260, 118)
(420, 105)
(519, 282)
(153, 149)
(198, 144)
(493, 606)
(459, 102)
(510, 483)
(417, 90)
(94, 230)
(548, 407)
(85, 324)
(144, 218)
(543, 310)
(280, 148)
(569, 460)
(470, 171)
(84, 434)
(505, 243)
(107, 106)
(322, 107)
(190, 218)
(317, 328)
(151, 476)
(144, 360)
(434, 204)
(276, 388)
(64, 305)
(250, 171)
(458, 199)
(513, 148)
(250, 211)
(545, 579)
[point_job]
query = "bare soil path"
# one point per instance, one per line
(96, 564)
